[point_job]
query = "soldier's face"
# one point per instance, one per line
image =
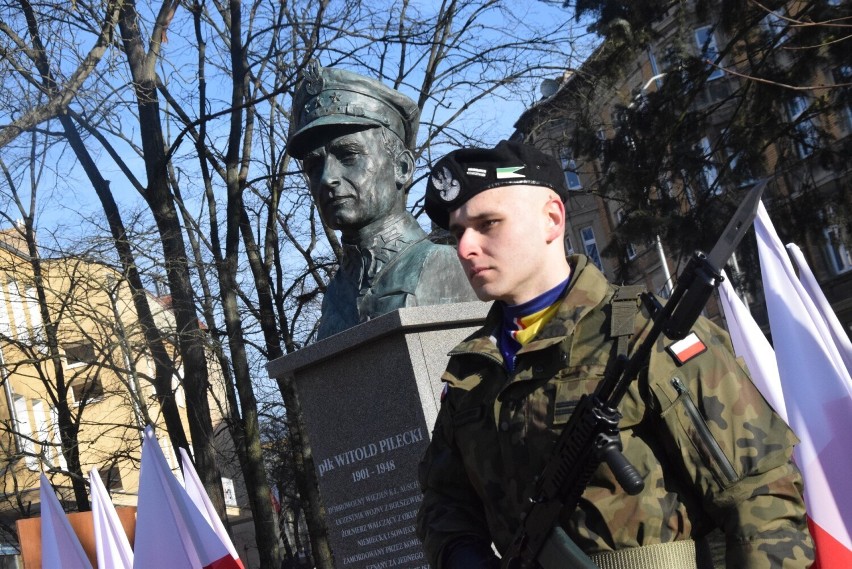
(352, 179)
(502, 236)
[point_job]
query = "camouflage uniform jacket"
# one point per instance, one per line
(710, 449)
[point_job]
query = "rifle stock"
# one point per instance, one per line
(560, 552)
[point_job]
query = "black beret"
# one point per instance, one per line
(328, 97)
(465, 172)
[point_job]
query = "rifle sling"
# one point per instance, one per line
(671, 555)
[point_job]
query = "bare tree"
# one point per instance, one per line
(199, 94)
(74, 354)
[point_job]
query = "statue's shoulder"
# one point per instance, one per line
(442, 278)
(405, 269)
(426, 256)
(422, 261)
(439, 253)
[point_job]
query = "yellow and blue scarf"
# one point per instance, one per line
(521, 322)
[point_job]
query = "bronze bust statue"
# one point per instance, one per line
(355, 136)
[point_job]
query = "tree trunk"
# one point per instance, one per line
(157, 195)
(164, 369)
(265, 523)
(306, 482)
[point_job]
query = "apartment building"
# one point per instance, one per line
(582, 118)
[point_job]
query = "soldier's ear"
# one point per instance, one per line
(554, 209)
(404, 168)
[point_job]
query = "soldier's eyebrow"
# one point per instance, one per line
(470, 220)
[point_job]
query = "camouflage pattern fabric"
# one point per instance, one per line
(712, 452)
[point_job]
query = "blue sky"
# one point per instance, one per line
(67, 198)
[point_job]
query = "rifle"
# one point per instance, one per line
(591, 435)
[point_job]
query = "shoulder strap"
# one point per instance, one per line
(625, 306)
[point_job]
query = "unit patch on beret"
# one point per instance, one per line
(509, 172)
(447, 186)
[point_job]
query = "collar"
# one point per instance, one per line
(365, 258)
(587, 288)
(397, 226)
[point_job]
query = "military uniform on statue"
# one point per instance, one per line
(383, 272)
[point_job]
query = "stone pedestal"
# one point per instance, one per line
(370, 397)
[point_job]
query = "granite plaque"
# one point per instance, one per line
(370, 396)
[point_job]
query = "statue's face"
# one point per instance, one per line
(352, 179)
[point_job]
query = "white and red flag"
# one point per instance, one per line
(111, 543)
(60, 548)
(199, 497)
(815, 392)
(751, 345)
(170, 530)
(809, 282)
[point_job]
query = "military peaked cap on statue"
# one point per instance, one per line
(333, 97)
(463, 173)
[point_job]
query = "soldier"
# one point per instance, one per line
(710, 450)
(355, 138)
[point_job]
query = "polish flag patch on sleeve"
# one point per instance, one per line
(684, 350)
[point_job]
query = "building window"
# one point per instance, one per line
(601, 144)
(687, 188)
(590, 246)
(655, 69)
(26, 445)
(843, 76)
(774, 25)
(169, 454)
(35, 320)
(569, 246)
(22, 330)
(629, 249)
(836, 250)
(89, 389)
(111, 478)
(5, 323)
(709, 51)
(569, 166)
(806, 134)
(80, 353)
(709, 173)
(177, 388)
(57, 439)
(741, 172)
(42, 430)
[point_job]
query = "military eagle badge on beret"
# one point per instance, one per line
(447, 186)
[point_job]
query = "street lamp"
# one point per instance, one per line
(667, 285)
